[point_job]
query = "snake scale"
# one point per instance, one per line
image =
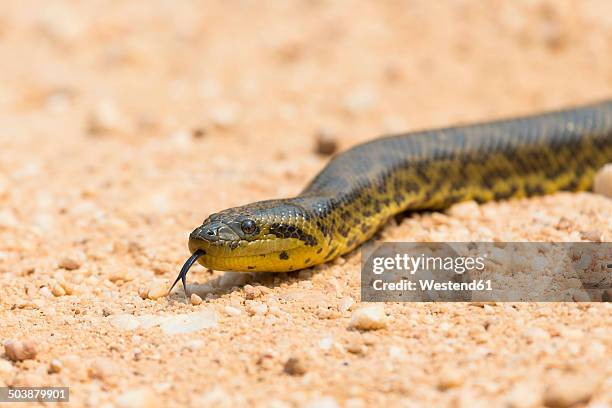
(358, 190)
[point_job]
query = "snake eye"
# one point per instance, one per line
(248, 226)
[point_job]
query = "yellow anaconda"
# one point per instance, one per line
(361, 188)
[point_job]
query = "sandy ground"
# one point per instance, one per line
(124, 124)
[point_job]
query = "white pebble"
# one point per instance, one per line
(106, 117)
(125, 322)
(195, 299)
(17, 350)
(369, 318)
(6, 367)
(138, 398)
(346, 304)
(46, 292)
(326, 343)
(8, 219)
(603, 181)
(360, 99)
(321, 402)
(157, 289)
(232, 311)
(224, 115)
(187, 323)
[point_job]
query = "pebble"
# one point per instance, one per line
(369, 318)
(44, 291)
(6, 367)
(466, 209)
(17, 350)
(592, 235)
(195, 299)
(125, 322)
(449, 378)
(143, 292)
(55, 366)
(57, 290)
(251, 292)
(603, 181)
(138, 398)
(321, 402)
(524, 396)
(8, 219)
(190, 322)
(102, 369)
(326, 143)
(257, 308)
(157, 289)
(360, 99)
(232, 311)
(346, 304)
(106, 118)
(70, 264)
(569, 391)
(294, 366)
(224, 115)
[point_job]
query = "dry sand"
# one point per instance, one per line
(124, 124)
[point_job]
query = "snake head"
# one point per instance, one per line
(270, 236)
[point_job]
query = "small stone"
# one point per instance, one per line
(190, 322)
(57, 290)
(449, 378)
(125, 322)
(257, 308)
(69, 264)
(232, 311)
(321, 402)
(592, 235)
(251, 292)
(157, 289)
(326, 343)
(603, 181)
(138, 398)
(360, 99)
(326, 143)
(6, 367)
(369, 318)
(194, 345)
(102, 369)
(224, 115)
(569, 391)
(466, 209)
(106, 118)
(294, 366)
(143, 292)
(4, 185)
(55, 366)
(17, 350)
(346, 304)
(8, 219)
(524, 395)
(44, 291)
(535, 335)
(195, 299)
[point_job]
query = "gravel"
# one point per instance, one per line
(17, 350)
(369, 318)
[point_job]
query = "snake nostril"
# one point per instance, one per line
(210, 233)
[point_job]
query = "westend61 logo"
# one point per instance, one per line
(485, 271)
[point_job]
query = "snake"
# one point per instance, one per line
(358, 190)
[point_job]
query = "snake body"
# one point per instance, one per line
(358, 190)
